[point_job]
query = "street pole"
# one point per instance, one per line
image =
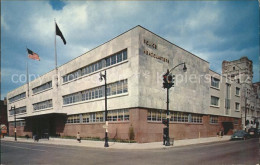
(101, 78)
(106, 138)
(15, 138)
(245, 110)
(167, 135)
(168, 82)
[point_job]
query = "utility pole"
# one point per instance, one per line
(13, 108)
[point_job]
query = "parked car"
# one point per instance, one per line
(240, 135)
(253, 132)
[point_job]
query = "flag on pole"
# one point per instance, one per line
(58, 33)
(33, 55)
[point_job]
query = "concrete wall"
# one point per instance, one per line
(221, 94)
(191, 91)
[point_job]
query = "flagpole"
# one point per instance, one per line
(55, 44)
(27, 75)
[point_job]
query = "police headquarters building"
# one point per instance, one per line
(70, 99)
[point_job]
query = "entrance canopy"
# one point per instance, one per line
(54, 114)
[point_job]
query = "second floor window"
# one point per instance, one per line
(214, 101)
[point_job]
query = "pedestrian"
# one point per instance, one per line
(78, 137)
(36, 138)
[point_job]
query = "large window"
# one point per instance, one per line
(42, 87)
(118, 115)
(17, 97)
(42, 105)
(159, 115)
(196, 118)
(19, 110)
(156, 115)
(214, 101)
(98, 117)
(20, 123)
(108, 61)
(214, 82)
(73, 119)
(112, 89)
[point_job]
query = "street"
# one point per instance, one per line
(228, 152)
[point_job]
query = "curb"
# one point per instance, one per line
(117, 145)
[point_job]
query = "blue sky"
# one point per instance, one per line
(212, 30)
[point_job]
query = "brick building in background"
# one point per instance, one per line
(70, 99)
(3, 113)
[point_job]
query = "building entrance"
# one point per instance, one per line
(227, 126)
(46, 125)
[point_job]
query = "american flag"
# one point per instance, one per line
(33, 55)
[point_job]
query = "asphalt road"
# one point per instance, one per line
(229, 152)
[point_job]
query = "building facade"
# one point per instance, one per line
(70, 99)
(241, 71)
(3, 114)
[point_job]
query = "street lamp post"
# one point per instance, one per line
(168, 83)
(104, 76)
(13, 108)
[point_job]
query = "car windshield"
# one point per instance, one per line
(238, 133)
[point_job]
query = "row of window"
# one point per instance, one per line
(17, 97)
(97, 117)
(42, 105)
(215, 83)
(18, 110)
(159, 115)
(18, 123)
(98, 92)
(111, 60)
(215, 102)
(42, 87)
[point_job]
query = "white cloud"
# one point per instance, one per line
(3, 23)
(193, 26)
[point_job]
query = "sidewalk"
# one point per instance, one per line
(117, 145)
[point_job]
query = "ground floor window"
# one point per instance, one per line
(213, 119)
(236, 121)
(159, 115)
(196, 118)
(156, 115)
(21, 123)
(97, 117)
(118, 115)
(73, 119)
(179, 117)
